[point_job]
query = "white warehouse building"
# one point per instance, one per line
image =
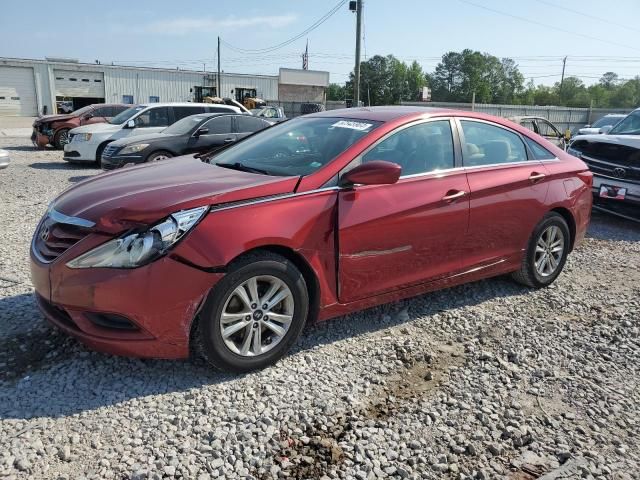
(31, 87)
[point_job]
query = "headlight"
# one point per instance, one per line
(137, 249)
(133, 148)
(82, 137)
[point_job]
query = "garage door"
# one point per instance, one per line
(79, 84)
(17, 92)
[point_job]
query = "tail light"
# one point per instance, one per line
(586, 177)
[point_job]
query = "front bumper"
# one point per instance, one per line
(629, 207)
(160, 311)
(80, 151)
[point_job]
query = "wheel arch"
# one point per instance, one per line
(310, 277)
(100, 147)
(571, 222)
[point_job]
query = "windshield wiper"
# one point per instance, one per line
(242, 168)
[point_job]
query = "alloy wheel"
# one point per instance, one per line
(63, 138)
(549, 250)
(257, 315)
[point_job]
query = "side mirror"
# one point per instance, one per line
(606, 129)
(376, 172)
(201, 131)
(131, 124)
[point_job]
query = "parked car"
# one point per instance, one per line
(88, 142)
(270, 113)
(194, 134)
(54, 129)
(231, 256)
(5, 160)
(602, 125)
(614, 159)
(544, 128)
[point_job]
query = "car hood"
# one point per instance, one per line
(141, 195)
(140, 139)
(96, 128)
(627, 140)
(53, 118)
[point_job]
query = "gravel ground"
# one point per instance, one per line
(487, 380)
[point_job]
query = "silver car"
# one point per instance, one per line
(602, 125)
(4, 159)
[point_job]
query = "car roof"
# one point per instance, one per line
(185, 104)
(382, 114)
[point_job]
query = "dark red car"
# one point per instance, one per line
(54, 129)
(232, 254)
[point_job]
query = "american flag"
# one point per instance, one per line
(305, 57)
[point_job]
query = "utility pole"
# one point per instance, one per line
(564, 64)
(219, 84)
(356, 86)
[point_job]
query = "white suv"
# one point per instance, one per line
(87, 142)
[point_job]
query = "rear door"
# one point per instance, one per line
(394, 236)
(219, 132)
(508, 191)
(246, 125)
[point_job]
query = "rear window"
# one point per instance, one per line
(539, 152)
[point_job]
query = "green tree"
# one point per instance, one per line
(336, 92)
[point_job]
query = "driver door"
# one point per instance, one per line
(550, 132)
(219, 132)
(410, 232)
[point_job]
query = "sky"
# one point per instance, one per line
(169, 33)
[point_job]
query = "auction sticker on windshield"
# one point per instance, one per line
(361, 126)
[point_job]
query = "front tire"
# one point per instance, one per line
(159, 155)
(253, 315)
(546, 252)
(61, 138)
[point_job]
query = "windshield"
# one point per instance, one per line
(126, 115)
(605, 121)
(184, 126)
(630, 125)
(83, 110)
(297, 147)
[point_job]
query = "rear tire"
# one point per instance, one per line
(61, 138)
(158, 156)
(231, 344)
(546, 252)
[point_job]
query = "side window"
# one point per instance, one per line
(181, 112)
(539, 152)
(219, 125)
(528, 124)
(421, 148)
(154, 117)
(249, 124)
(486, 144)
(102, 112)
(546, 129)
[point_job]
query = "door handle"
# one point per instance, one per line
(453, 195)
(229, 140)
(536, 177)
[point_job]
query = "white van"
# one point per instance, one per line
(87, 142)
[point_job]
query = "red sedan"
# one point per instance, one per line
(232, 253)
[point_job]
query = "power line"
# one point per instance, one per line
(535, 22)
(315, 25)
(593, 17)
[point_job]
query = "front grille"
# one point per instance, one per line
(610, 169)
(108, 151)
(53, 239)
